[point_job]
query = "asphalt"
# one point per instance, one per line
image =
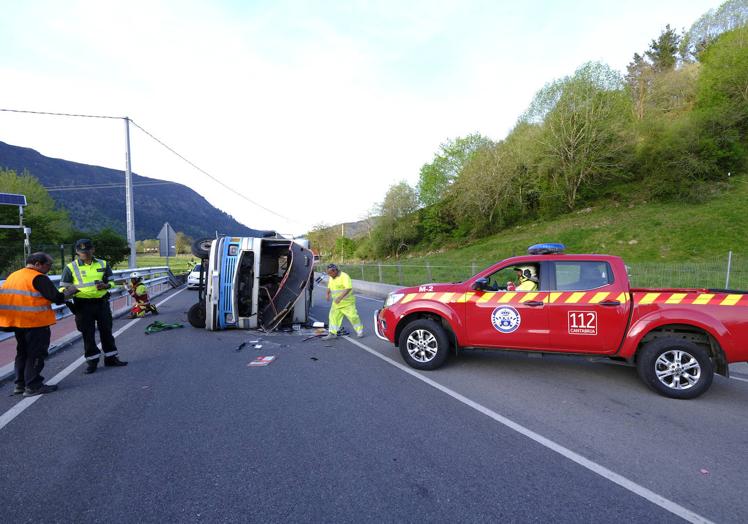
(329, 432)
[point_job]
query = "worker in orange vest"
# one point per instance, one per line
(26, 299)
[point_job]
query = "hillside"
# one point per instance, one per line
(95, 209)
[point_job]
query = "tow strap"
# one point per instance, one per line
(157, 326)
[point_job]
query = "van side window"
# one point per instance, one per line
(581, 276)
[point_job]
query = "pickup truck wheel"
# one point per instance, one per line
(675, 368)
(424, 344)
(196, 315)
(201, 247)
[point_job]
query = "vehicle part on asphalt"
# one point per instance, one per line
(159, 326)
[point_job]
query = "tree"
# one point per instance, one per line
(729, 16)
(444, 169)
(663, 52)
(585, 129)
(183, 243)
(49, 225)
(322, 239)
(344, 247)
(396, 227)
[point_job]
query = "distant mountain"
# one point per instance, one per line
(94, 209)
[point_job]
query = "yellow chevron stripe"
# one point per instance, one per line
(407, 298)
(485, 298)
(599, 297)
(428, 296)
(465, 297)
(703, 299)
(649, 298)
(528, 296)
(507, 297)
(623, 298)
(446, 298)
(730, 300)
(676, 298)
(552, 297)
(574, 298)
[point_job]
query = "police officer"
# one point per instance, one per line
(340, 289)
(527, 278)
(26, 301)
(93, 278)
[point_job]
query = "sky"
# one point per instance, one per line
(307, 110)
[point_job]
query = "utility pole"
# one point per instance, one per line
(128, 198)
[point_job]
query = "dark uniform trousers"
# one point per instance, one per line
(90, 312)
(31, 350)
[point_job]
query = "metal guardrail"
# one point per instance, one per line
(155, 279)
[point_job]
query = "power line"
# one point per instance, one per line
(170, 149)
(104, 186)
(60, 114)
(211, 176)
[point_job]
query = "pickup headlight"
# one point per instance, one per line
(393, 298)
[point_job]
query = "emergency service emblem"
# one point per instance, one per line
(505, 319)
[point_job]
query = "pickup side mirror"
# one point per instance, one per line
(480, 284)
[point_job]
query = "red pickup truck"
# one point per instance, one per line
(549, 302)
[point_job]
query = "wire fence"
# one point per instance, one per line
(727, 272)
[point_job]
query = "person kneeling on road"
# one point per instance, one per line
(93, 278)
(340, 288)
(139, 293)
(26, 301)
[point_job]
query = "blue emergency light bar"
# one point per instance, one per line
(11, 199)
(546, 249)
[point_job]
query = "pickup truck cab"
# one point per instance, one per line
(582, 305)
(257, 282)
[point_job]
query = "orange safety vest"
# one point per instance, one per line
(21, 305)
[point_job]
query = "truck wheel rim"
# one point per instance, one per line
(422, 345)
(678, 369)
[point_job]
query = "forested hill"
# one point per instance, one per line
(94, 208)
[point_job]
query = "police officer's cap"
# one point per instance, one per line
(84, 244)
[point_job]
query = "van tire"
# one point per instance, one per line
(196, 315)
(201, 247)
(675, 368)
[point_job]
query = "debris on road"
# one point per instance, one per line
(240, 346)
(158, 326)
(261, 361)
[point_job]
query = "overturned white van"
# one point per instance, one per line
(259, 282)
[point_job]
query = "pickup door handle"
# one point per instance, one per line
(534, 303)
(610, 303)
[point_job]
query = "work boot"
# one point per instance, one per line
(360, 334)
(330, 336)
(90, 368)
(41, 390)
(19, 389)
(114, 362)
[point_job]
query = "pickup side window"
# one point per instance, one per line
(582, 275)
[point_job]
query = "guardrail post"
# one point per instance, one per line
(362, 272)
(729, 264)
(379, 265)
(428, 272)
(399, 274)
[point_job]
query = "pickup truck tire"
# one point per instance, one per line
(675, 368)
(201, 247)
(424, 344)
(196, 315)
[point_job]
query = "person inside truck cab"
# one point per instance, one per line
(527, 278)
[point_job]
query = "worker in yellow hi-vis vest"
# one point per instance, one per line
(340, 289)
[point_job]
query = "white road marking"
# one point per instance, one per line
(604, 472)
(372, 299)
(25, 403)
(740, 379)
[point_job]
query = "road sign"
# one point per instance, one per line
(167, 241)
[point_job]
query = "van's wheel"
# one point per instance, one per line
(201, 247)
(675, 368)
(196, 315)
(424, 344)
